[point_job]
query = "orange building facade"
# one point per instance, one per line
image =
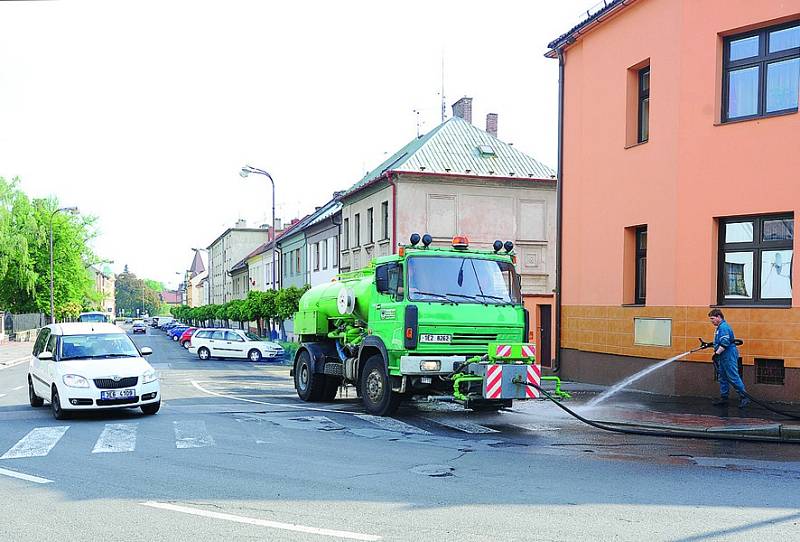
(680, 178)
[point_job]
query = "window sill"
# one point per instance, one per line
(760, 117)
(637, 144)
(750, 306)
(633, 305)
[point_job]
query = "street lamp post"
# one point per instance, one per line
(72, 210)
(247, 170)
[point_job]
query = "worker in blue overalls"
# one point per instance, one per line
(726, 359)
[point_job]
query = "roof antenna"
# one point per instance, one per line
(444, 107)
(417, 112)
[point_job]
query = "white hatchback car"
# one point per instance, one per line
(90, 366)
(232, 343)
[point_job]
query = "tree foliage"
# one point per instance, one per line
(25, 255)
(133, 294)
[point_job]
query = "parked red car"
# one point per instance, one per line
(186, 338)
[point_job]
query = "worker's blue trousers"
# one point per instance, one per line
(729, 376)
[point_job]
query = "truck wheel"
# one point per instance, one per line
(376, 389)
(310, 387)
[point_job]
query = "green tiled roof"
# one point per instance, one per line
(453, 148)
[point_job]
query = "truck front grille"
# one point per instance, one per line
(473, 338)
(110, 384)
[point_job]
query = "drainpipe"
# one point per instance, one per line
(394, 211)
(559, 206)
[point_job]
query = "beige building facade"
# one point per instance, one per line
(225, 252)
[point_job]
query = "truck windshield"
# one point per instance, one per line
(462, 280)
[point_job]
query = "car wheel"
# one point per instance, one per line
(151, 409)
(203, 353)
(376, 388)
(174, 337)
(55, 403)
(36, 401)
(309, 386)
(254, 355)
(186, 344)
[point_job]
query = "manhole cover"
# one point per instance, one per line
(435, 471)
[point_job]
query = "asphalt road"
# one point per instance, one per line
(234, 454)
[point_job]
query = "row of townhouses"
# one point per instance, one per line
(679, 153)
(457, 179)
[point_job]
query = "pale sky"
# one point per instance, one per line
(142, 112)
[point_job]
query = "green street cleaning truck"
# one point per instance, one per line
(443, 323)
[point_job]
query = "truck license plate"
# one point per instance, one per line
(431, 338)
(117, 394)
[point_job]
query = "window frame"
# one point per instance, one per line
(324, 253)
(643, 95)
(335, 243)
(762, 60)
(756, 247)
(317, 259)
(346, 234)
(384, 221)
(370, 225)
(356, 230)
(639, 253)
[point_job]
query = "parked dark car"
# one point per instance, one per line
(139, 327)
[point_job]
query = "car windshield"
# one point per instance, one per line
(97, 346)
(462, 280)
(92, 318)
(253, 336)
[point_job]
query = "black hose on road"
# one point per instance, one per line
(665, 433)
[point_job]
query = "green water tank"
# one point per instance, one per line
(348, 297)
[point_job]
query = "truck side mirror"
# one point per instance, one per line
(382, 279)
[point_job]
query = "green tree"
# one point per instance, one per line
(286, 304)
(133, 294)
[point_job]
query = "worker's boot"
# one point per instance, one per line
(744, 402)
(722, 401)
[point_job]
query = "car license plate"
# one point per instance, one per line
(431, 338)
(117, 394)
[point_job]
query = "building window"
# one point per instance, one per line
(297, 262)
(641, 266)
(644, 105)
(770, 371)
(324, 253)
(755, 260)
(384, 220)
(761, 72)
(357, 230)
(316, 257)
(346, 234)
(370, 226)
(335, 252)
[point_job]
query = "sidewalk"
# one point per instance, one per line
(684, 413)
(12, 353)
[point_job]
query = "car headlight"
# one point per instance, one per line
(75, 381)
(149, 376)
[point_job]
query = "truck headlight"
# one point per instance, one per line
(149, 376)
(75, 381)
(430, 365)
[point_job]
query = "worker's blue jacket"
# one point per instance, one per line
(724, 338)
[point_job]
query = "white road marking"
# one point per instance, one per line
(261, 522)
(2, 395)
(116, 437)
(535, 427)
(461, 425)
(37, 443)
(281, 405)
(192, 434)
(390, 424)
(17, 388)
(13, 362)
(23, 476)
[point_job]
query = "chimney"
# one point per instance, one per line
(277, 224)
(463, 108)
(241, 223)
(491, 124)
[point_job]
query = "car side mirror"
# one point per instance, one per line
(146, 351)
(45, 356)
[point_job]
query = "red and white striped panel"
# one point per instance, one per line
(494, 381)
(529, 350)
(503, 351)
(534, 377)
